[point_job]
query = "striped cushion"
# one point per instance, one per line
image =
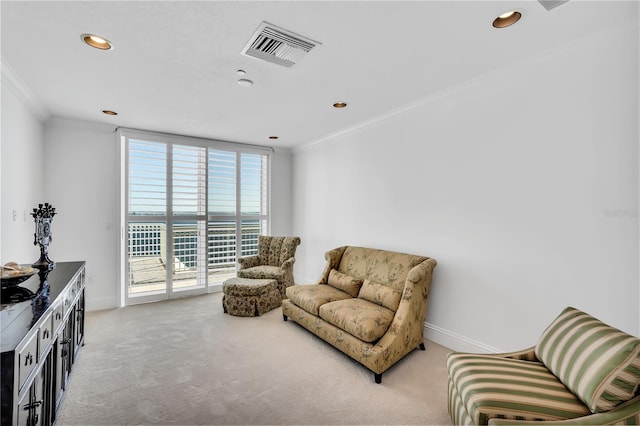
(599, 363)
(504, 388)
(457, 412)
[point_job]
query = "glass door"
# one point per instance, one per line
(147, 221)
(167, 235)
(191, 210)
(188, 242)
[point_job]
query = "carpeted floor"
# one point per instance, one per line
(185, 362)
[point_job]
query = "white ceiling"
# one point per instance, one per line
(173, 68)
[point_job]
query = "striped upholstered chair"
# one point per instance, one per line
(581, 372)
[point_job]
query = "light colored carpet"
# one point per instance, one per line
(185, 362)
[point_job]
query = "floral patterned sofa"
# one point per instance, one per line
(368, 303)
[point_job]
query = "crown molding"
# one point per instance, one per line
(630, 27)
(12, 81)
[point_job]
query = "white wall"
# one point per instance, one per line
(83, 184)
(21, 153)
(281, 192)
(522, 184)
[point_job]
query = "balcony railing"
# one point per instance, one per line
(218, 251)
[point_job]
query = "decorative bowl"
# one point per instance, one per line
(11, 277)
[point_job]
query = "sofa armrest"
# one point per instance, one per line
(333, 261)
(248, 261)
(627, 413)
(406, 330)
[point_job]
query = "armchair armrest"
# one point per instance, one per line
(287, 268)
(627, 413)
(248, 261)
(524, 354)
(288, 264)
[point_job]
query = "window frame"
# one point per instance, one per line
(169, 218)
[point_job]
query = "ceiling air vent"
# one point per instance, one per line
(274, 44)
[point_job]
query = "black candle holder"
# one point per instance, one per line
(43, 216)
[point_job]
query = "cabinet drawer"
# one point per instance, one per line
(68, 298)
(71, 294)
(57, 315)
(80, 281)
(27, 359)
(46, 334)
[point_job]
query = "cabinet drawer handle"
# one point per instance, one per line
(34, 404)
(28, 360)
(58, 315)
(46, 334)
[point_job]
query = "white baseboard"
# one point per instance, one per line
(100, 305)
(455, 341)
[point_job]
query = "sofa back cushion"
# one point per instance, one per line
(598, 363)
(387, 268)
(344, 282)
(380, 295)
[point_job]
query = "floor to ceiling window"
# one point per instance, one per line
(191, 208)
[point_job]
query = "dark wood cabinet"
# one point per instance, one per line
(41, 339)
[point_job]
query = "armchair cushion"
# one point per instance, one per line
(491, 387)
(598, 363)
(262, 272)
(344, 282)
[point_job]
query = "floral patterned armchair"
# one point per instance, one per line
(275, 259)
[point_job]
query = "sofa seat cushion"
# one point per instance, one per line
(311, 297)
(513, 389)
(262, 272)
(358, 317)
(599, 363)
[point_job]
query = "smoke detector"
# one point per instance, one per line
(276, 45)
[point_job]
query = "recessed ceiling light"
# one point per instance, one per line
(97, 41)
(273, 137)
(245, 82)
(507, 19)
(109, 112)
(340, 105)
(241, 72)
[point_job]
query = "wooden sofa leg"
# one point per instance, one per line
(284, 317)
(378, 377)
(422, 348)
